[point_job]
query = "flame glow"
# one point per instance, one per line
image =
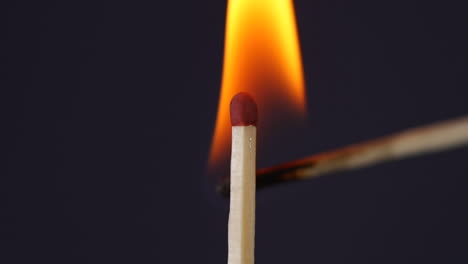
(262, 57)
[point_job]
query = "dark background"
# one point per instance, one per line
(109, 109)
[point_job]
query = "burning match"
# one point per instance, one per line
(241, 230)
(417, 141)
(261, 57)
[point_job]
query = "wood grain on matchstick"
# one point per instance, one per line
(241, 230)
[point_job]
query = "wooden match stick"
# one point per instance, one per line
(416, 141)
(241, 230)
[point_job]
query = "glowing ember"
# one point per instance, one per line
(262, 57)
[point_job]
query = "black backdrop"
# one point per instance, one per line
(109, 109)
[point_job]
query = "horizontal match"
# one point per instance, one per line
(436, 137)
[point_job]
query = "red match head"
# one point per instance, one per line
(243, 110)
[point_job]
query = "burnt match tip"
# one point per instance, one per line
(243, 110)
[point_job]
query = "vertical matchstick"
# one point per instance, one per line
(241, 230)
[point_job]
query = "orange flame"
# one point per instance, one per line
(262, 57)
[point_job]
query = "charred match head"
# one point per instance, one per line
(243, 110)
